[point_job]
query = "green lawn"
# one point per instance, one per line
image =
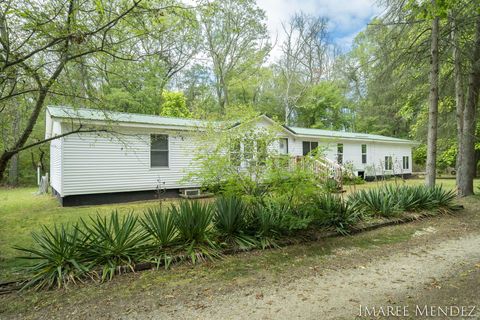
(21, 212)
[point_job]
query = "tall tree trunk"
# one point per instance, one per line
(20, 142)
(433, 107)
(459, 95)
(468, 165)
(13, 169)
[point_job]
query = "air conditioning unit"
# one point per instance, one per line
(191, 192)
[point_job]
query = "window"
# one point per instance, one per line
(340, 153)
(364, 153)
(283, 146)
(388, 163)
(406, 162)
(309, 146)
(158, 150)
(261, 152)
(235, 152)
(248, 149)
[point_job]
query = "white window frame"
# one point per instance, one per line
(388, 163)
(364, 154)
(168, 151)
(285, 141)
(310, 147)
(406, 163)
(340, 153)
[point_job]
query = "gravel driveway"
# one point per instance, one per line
(338, 294)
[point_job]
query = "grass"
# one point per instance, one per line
(21, 212)
(230, 273)
(447, 183)
(240, 270)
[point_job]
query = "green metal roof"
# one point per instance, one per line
(100, 115)
(346, 135)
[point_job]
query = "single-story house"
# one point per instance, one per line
(123, 157)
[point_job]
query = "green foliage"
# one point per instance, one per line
(255, 170)
(269, 221)
(333, 212)
(159, 225)
(420, 155)
(193, 220)
(231, 220)
(58, 257)
(375, 202)
(193, 229)
(392, 199)
(114, 242)
(321, 107)
(443, 199)
(174, 105)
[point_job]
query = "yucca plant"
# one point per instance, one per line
(159, 225)
(114, 242)
(193, 220)
(444, 200)
(269, 218)
(332, 212)
(57, 257)
(230, 221)
(375, 202)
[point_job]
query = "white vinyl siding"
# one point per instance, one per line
(56, 164)
(90, 163)
(109, 163)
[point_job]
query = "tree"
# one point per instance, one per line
(44, 41)
(321, 107)
(172, 42)
(467, 167)
(433, 105)
(174, 105)
(236, 40)
(306, 57)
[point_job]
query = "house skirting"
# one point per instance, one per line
(116, 197)
(380, 177)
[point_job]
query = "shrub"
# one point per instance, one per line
(269, 219)
(230, 221)
(331, 185)
(193, 221)
(332, 212)
(58, 257)
(444, 200)
(114, 242)
(375, 202)
(160, 228)
(391, 199)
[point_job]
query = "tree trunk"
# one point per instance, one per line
(433, 108)
(459, 95)
(4, 158)
(468, 165)
(13, 169)
(20, 142)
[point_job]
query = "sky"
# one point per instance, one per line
(346, 17)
